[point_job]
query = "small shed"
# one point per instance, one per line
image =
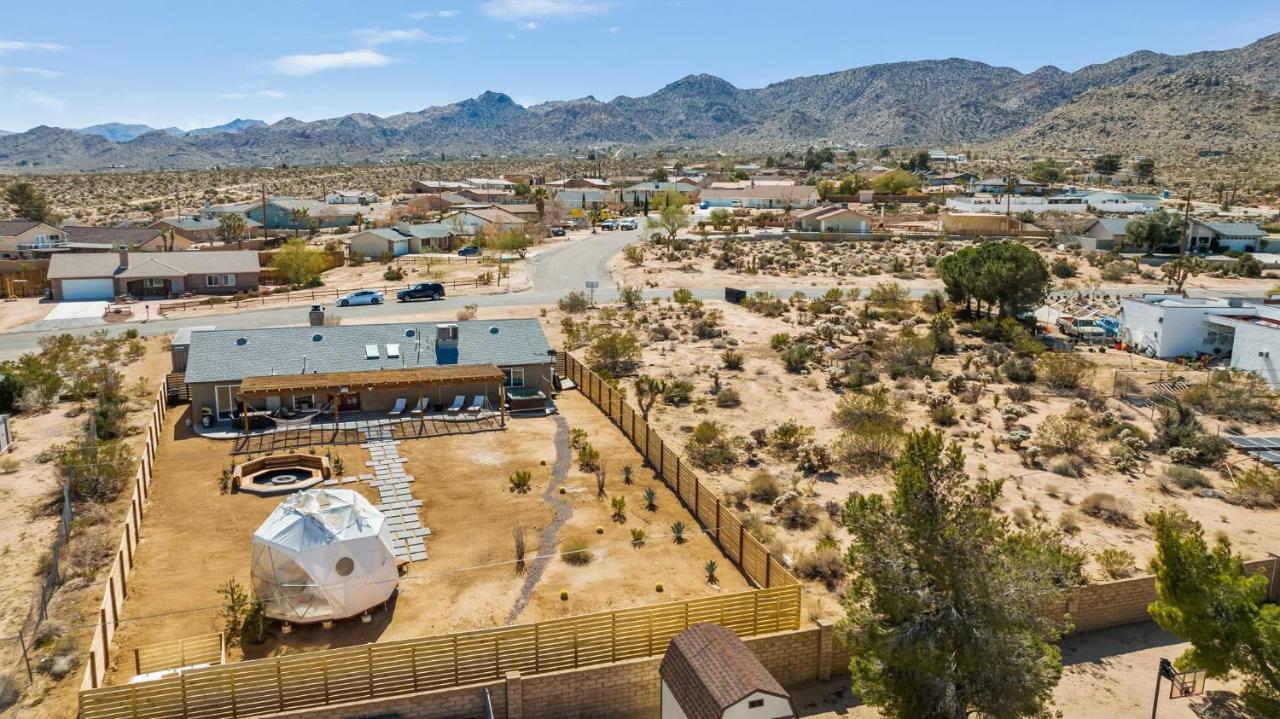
(181, 344)
(708, 673)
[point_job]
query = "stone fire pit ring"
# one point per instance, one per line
(280, 474)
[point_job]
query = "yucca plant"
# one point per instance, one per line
(677, 532)
(626, 474)
(520, 480)
(711, 568)
(619, 509)
(600, 481)
(650, 499)
(637, 537)
(517, 534)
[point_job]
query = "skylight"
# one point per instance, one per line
(393, 351)
(371, 351)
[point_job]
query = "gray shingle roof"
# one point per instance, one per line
(72, 265)
(1115, 225)
(217, 356)
(1236, 229)
(122, 236)
(10, 228)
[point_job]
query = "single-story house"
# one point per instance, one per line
(108, 275)
(351, 197)
(201, 228)
(1104, 234)
(28, 239)
(368, 368)
(134, 239)
(938, 179)
(579, 183)
(484, 194)
(1221, 236)
(280, 213)
(491, 183)
(832, 218)
(979, 223)
(527, 211)
(1170, 326)
(479, 221)
(999, 185)
(403, 239)
(437, 186)
(583, 198)
(643, 192)
(763, 198)
(708, 673)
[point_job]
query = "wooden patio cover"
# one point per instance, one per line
(380, 378)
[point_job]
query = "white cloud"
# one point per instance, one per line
(260, 94)
(39, 99)
(529, 26)
(520, 10)
(311, 64)
(376, 36)
(37, 71)
(20, 45)
(427, 14)
(615, 30)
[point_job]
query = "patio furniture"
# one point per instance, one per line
(477, 404)
(398, 409)
(458, 403)
(421, 407)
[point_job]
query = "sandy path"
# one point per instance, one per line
(563, 511)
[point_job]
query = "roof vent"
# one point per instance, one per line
(410, 333)
(242, 341)
(371, 351)
(393, 351)
(493, 329)
(316, 338)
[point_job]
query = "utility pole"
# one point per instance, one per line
(266, 226)
(1186, 224)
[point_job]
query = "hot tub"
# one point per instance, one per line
(525, 398)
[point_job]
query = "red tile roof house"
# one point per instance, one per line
(109, 275)
(708, 673)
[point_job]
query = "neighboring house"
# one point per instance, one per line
(438, 186)
(108, 275)
(1104, 234)
(375, 364)
(832, 218)
(1222, 236)
(351, 197)
(583, 198)
(201, 228)
(643, 192)
(280, 213)
(478, 221)
(964, 223)
(579, 183)
(134, 239)
(999, 185)
(28, 239)
(1072, 202)
(491, 183)
(482, 194)
(403, 239)
(708, 673)
(1171, 326)
(527, 211)
(939, 179)
(773, 197)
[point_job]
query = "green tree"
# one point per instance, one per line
(1007, 276)
(721, 217)
(1108, 164)
(853, 184)
(29, 202)
(298, 216)
(946, 605)
(1046, 172)
(1205, 597)
(517, 241)
(296, 263)
(896, 182)
(1181, 270)
(1153, 231)
(1145, 169)
(815, 158)
(231, 227)
(671, 216)
(918, 162)
(617, 353)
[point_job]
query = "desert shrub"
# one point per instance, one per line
(677, 392)
(1257, 486)
(1185, 477)
(813, 458)
(933, 302)
(1060, 435)
(798, 357)
(1115, 271)
(1020, 370)
(780, 341)
(1123, 458)
(1069, 522)
(112, 464)
(1108, 508)
(575, 549)
(823, 565)
(1237, 395)
(1063, 370)
(856, 408)
(1063, 268)
(728, 397)
(577, 437)
(943, 415)
(908, 355)
(1019, 393)
(795, 512)
(709, 448)
(732, 359)
(869, 445)
(519, 480)
(617, 353)
(1178, 428)
(764, 487)
(588, 458)
(1068, 465)
(574, 303)
(786, 439)
(1117, 563)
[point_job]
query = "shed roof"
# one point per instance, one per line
(708, 669)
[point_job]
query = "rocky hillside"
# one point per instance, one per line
(1207, 99)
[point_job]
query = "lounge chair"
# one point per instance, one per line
(398, 410)
(421, 407)
(456, 407)
(477, 404)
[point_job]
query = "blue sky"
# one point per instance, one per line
(75, 63)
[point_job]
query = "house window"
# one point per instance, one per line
(154, 282)
(514, 376)
(220, 280)
(755, 703)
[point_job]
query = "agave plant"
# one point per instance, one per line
(711, 568)
(650, 499)
(637, 537)
(619, 509)
(520, 480)
(677, 532)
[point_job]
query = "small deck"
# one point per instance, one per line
(356, 430)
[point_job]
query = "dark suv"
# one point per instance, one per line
(421, 291)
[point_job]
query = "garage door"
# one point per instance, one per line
(88, 289)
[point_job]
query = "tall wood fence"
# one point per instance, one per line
(25, 278)
(117, 581)
(189, 651)
(718, 521)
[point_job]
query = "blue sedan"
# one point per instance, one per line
(361, 297)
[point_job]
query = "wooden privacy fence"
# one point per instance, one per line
(204, 649)
(25, 278)
(314, 679)
(718, 521)
(117, 581)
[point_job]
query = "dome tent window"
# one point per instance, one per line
(345, 566)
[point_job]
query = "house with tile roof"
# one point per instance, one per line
(708, 673)
(109, 275)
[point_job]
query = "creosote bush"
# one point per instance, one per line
(575, 549)
(1117, 563)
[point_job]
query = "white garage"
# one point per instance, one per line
(89, 289)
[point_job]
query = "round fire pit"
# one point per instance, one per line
(280, 474)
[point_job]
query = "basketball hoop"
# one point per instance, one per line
(1187, 684)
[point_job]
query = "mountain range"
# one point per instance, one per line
(121, 132)
(1161, 103)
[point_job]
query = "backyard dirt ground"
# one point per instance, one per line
(195, 539)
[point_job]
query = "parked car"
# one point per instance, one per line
(421, 291)
(609, 225)
(628, 225)
(361, 297)
(470, 250)
(557, 232)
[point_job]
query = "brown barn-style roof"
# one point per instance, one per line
(709, 669)
(409, 377)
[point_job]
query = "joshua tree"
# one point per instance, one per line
(648, 390)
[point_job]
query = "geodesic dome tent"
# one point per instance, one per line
(323, 554)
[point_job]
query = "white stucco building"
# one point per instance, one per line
(1245, 332)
